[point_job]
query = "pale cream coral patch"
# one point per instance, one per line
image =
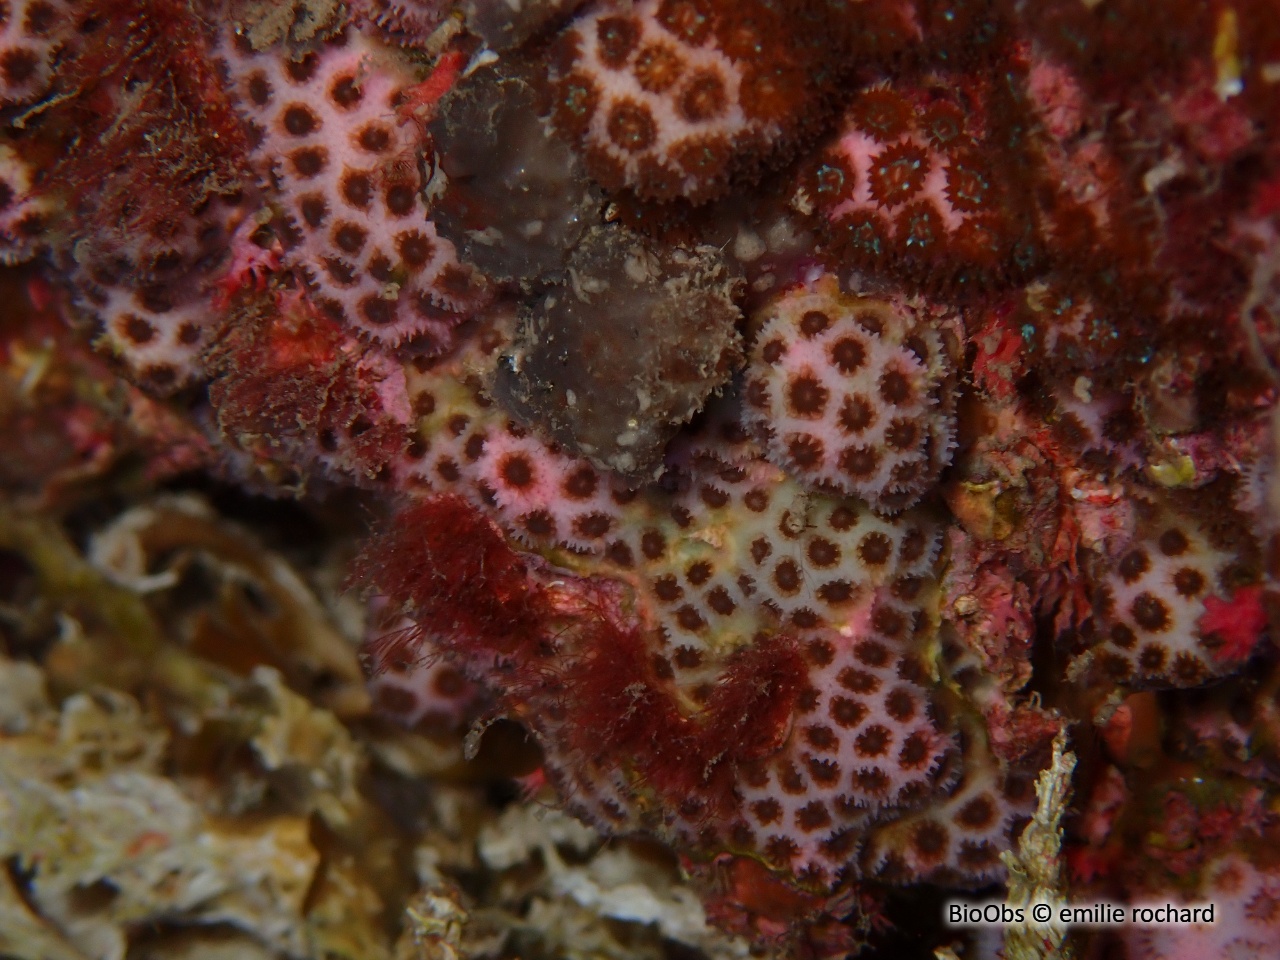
(344, 163)
(851, 393)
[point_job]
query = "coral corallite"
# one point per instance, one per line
(796, 415)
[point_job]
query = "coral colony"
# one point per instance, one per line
(795, 414)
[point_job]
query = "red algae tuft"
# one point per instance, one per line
(448, 566)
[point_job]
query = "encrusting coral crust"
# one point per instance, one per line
(793, 414)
